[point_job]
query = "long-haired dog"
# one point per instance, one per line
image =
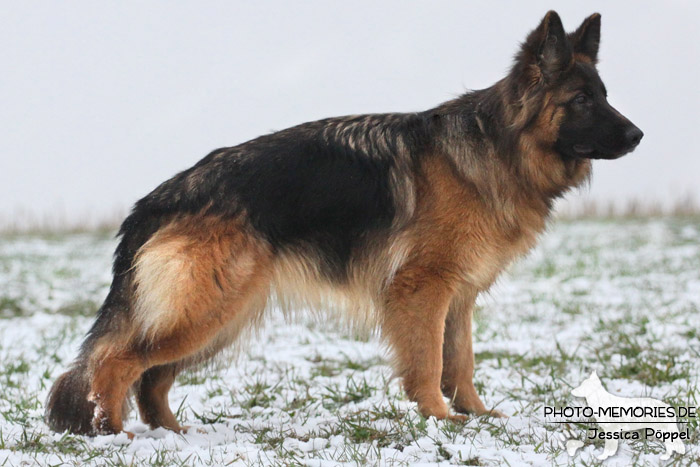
(400, 219)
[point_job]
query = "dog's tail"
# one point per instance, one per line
(68, 407)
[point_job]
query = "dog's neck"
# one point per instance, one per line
(518, 168)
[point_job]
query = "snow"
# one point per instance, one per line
(621, 297)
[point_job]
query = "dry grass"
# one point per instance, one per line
(686, 206)
(24, 222)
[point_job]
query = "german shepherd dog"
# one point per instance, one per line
(399, 219)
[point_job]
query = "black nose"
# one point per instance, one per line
(633, 136)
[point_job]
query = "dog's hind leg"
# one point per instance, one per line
(152, 396)
(458, 357)
(191, 282)
(152, 388)
(416, 305)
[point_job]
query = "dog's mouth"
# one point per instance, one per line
(583, 150)
(590, 152)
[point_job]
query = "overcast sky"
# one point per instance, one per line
(102, 101)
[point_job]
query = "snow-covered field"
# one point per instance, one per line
(621, 297)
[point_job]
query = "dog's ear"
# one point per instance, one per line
(586, 39)
(548, 47)
(594, 376)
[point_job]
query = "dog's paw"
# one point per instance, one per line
(495, 414)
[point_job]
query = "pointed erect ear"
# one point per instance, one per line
(586, 39)
(548, 46)
(594, 375)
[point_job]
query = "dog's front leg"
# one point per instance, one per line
(458, 356)
(415, 307)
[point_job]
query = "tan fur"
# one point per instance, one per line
(190, 261)
(457, 380)
(200, 281)
(459, 246)
(298, 284)
(152, 397)
(545, 170)
(457, 222)
(219, 272)
(583, 58)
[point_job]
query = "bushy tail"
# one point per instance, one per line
(67, 407)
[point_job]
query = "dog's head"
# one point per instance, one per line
(588, 387)
(555, 75)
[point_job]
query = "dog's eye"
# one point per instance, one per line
(581, 99)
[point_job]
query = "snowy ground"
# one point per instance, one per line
(621, 297)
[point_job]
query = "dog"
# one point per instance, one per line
(597, 397)
(398, 219)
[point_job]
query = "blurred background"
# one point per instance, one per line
(102, 101)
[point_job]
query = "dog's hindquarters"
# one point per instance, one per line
(194, 286)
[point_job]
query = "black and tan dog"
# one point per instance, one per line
(398, 219)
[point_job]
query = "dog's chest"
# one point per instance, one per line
(456, 226)
(489, 249)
